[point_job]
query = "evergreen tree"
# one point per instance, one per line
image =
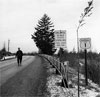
(44, 35)
(3, 51)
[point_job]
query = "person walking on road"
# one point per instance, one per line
(19, 55)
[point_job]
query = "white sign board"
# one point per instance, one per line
(85, 43)
(66, 63)
(60, 38)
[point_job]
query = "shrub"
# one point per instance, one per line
(94, 71)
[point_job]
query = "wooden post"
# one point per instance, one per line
(86, 79)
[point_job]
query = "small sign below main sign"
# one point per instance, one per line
(85, 43)
(66, 63)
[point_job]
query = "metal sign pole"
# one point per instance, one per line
(67, 70)
(60, 59)
(86, 79)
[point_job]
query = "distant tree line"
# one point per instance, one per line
(3, 53)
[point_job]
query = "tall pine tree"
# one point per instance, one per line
(44, 35)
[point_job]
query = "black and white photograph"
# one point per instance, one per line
(49, 48)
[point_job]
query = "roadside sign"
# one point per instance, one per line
(66, 63)
(60, 39)
(85, 43)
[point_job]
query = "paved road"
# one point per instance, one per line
(29, 80)
(9, 68)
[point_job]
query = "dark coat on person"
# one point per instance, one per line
(19, 54)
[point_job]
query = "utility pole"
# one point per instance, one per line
(78, 60)
(8, 44)
(4, 46)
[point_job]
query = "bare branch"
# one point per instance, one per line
(86, 13)
(82, 24)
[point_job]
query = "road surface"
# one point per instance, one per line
(9, 68)
(28, 80)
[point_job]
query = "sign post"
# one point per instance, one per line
(85, 43)
(60, 41)
(86, 79)
(66, 64)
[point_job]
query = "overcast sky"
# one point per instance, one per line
(19, 17)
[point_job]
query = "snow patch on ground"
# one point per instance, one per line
(56, 90)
